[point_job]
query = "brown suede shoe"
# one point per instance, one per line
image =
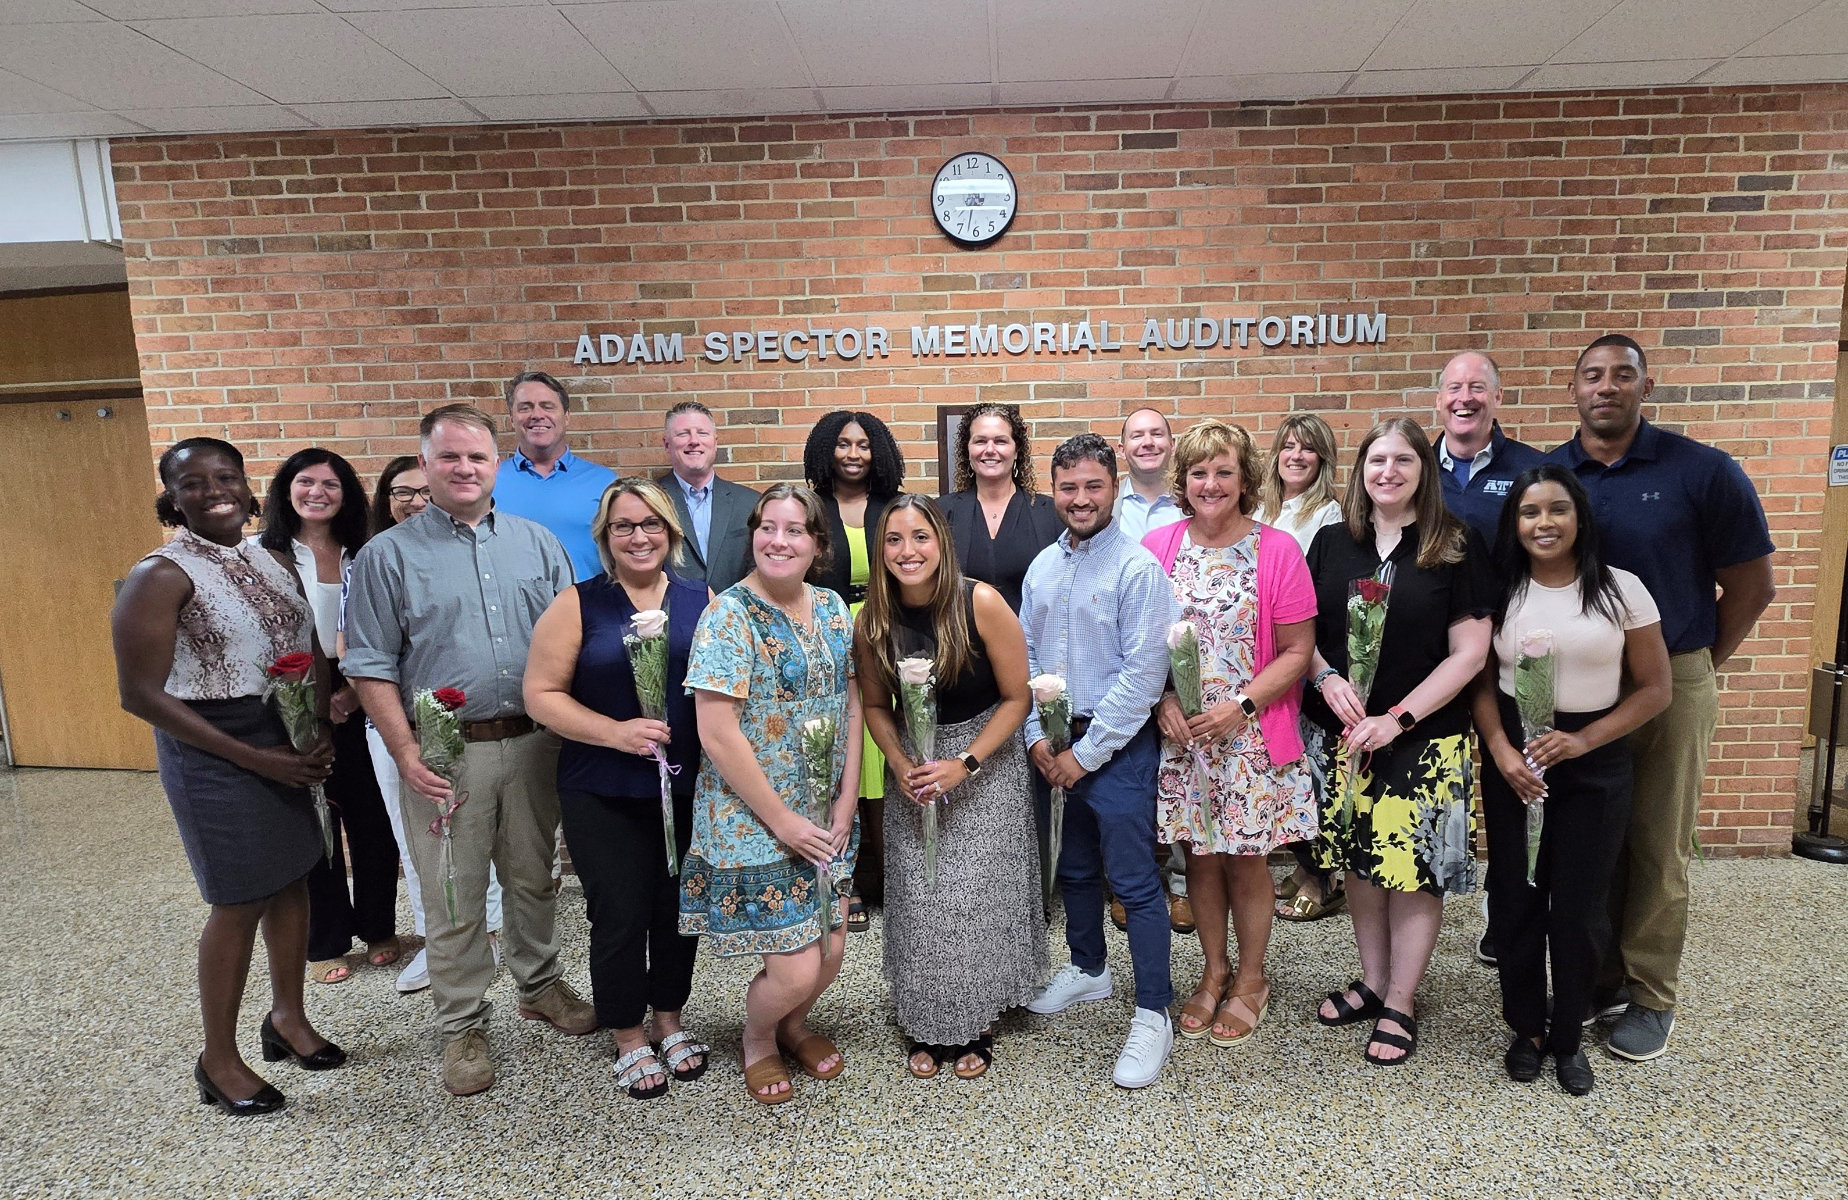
(1118, 916)
(467, 1069)
(562, 1008)
(1180, 914)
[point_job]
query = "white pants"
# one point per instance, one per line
(390, 787)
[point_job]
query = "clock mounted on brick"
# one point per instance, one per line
(973, 199)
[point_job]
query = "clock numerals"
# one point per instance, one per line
(974, 198)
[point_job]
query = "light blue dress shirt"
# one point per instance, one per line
(565, 502)
(1097, 613)
(1140, 517)
(699, 507)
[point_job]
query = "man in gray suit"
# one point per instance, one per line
(712, 511)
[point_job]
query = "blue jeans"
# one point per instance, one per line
(1109, 827)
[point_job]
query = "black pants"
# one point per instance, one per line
(638, 958)
(1563, 912)
(369, 911)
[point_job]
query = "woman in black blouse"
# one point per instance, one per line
(996, 520)
(1398, 814)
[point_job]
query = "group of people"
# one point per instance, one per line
(1147, 684)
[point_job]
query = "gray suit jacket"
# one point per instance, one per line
(728, 558)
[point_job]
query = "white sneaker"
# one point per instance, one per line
(1069, 986)
(416, 975)
(1145, 1052)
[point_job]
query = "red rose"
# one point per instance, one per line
(292, 667)
(450, 698)
(1373, 591)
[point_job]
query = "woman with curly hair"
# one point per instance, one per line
(852, 462)
(997, 521)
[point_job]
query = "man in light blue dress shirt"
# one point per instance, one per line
(1097, 607)
(542, 480)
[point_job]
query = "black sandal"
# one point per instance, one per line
(1346, 1014)
(983, 1048)
(856, 915)
(937, 1056)
(1407, 1042)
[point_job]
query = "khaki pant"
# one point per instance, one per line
(1649, 891)
(511, 819)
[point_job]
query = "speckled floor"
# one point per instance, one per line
(98, 1028)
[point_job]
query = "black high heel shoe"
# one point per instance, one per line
(267, 1099)
(276, 1048)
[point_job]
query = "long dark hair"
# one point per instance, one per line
(1598, 590)
(381, 495)
(1016, 428)
(949, 600)
(888, 473)
(280, 520)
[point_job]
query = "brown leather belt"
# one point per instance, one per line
(494, 731)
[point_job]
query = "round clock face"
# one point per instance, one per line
(973, 198)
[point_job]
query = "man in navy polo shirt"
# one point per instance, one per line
(1684, 518)
(1478, 460)
(542, 480)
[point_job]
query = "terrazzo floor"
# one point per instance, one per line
(98, 1029)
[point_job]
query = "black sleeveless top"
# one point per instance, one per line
(973, 692)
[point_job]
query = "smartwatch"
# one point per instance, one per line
(1247, 706)
(1403, 716)
(972, 764)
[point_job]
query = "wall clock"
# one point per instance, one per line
(973, 198)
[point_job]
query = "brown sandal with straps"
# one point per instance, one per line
(765, 1074)
(1228, 1017)
(1201, 1011)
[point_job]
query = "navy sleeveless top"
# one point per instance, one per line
(604, 682)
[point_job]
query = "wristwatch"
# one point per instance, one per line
(972, 764)
(1247, 706)
(1403, 716)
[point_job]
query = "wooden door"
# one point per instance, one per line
(76, 513)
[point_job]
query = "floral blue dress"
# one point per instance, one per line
(738, 886)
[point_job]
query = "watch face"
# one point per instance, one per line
(973, 198)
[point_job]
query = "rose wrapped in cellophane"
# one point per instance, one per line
(817, 739)
(291, 686)
(440, 745)
(918, 700)
(1366, 631)
(647, 646)
(1053, 702)
(1536, 698)
(1184, 668)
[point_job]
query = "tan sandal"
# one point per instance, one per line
(385, 953)
(810, 1052)
(1201, 1011)
(1228, 1018)
(330, 970)
(764, 1074)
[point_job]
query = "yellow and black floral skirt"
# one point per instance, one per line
(1405, 819)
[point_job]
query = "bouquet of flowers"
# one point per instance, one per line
(647, 645)
(918, 698)
(817, 741)
(1366, 629)
(440, 745)
(1054, 703)
(1184, 666)
(291, 685)
(1536, 695)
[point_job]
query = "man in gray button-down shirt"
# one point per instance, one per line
(448, 598)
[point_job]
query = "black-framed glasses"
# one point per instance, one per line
(650, 526)
(404, 495)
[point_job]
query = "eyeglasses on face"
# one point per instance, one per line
(650, 526)
(404, 495)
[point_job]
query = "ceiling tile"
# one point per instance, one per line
(907, 97)
(1651, 30)
(156, 10)
(1795, 68)
(1570, 76)
(680, 44)
(590, 106)
(1440, 80)
(1251, 37)
(359, 113)
(67, 125)
(758, 102)
(1443, 33)
(299, 58)
(352, 6)
(1821, 30)
(19, 96)
(862, 42)
(1085, 91)
(241, 118)
(25, 12)
(1301, 85)
(494, 51)
(112, 66)
(1092, 39)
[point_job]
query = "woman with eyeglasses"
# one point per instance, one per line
(402, 492)
(581, 684)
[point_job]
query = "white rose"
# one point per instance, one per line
(1046, 688)
(1180, 634)
(915, 671)
(650, 622)
(814, 726)
(1537, 643)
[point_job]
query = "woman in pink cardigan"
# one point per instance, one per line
(1233, 786)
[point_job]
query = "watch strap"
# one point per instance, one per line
(972, 764)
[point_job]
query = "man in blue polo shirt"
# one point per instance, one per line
(1684, 518)
(542, 480)
(1478, 460)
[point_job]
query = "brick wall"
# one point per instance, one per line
(328, 287)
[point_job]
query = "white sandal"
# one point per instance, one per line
(680, 1046)
(637, 1065)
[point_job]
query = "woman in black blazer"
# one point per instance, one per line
(998, 522)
